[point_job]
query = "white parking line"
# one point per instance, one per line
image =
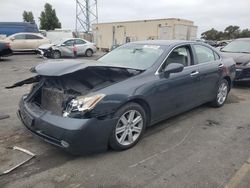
(163, 151)
(240, 174)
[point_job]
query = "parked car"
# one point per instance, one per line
(26, 41)
(5, 49)
(88, 106)
(10, 28)
(211, 43)
(239, 49)
(64, 48)
(223, 43)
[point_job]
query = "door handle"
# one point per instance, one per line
(194, 73)
(220, 65)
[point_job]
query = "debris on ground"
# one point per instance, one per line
(3, 116)
(212, 123)
(31, 156)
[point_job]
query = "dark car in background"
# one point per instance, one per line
(5, 49)
(239, 50)
(93, 105)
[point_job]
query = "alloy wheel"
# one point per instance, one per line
(89, 53)
(222, 93)
(129, 127)
(56, 54)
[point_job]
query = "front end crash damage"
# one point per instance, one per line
(75, 94)
(61, 108)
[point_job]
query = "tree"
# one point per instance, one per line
(48, 18)
(244, 33)
(232, 32)
(211, 34)
(28, 17)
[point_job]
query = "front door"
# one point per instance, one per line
(18, 42)
(177, 92)
(67, 48)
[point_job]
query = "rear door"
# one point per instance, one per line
(80, 46)
(210, 71)
(178, 92)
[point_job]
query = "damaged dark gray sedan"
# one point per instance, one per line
(93, 105)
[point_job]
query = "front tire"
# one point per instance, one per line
(129, 128)
(56, 54)
(222, 93)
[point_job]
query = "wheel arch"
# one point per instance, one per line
(143, 103)
(229, 81)
(57, 50)
(89, 49)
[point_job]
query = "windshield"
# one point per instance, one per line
(136, 56)
(240, 46)
(58, 41)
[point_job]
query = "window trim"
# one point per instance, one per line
(69, 40)
(196, 60)
(38, 37)
(80, 40)
(157, 72)
(19, 38)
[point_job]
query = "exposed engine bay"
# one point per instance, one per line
(61, 95)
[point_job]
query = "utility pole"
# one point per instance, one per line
(86, 15)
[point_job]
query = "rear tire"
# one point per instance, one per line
(129, 128)
(89, 53)
(56, 54)
(222, 93)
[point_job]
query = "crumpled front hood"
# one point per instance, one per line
(46, 46)
(238, 57)
(62, 67)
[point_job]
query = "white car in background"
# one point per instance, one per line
(64, 48)
(26, 41)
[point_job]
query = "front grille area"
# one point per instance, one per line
(52, 100)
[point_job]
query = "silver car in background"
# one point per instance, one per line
(65, 48)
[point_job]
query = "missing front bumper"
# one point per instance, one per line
(76, 136)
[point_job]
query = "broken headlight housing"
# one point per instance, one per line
(82, 104)
(247, 64)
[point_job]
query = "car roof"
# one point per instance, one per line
(248, 39)
(73, 39)
(163, 42)
(28, 33)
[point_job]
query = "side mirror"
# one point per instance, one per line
(173, 68)
(221, 48)
(63, 44)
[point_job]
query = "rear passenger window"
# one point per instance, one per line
(204, 54)
(33, 37)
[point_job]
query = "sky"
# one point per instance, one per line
(206, 14)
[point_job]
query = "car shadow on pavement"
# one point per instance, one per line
(242, 85)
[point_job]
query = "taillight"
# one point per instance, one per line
(7, 45)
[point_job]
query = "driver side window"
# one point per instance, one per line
(179, 55)
(69, 42)
(19, 37)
